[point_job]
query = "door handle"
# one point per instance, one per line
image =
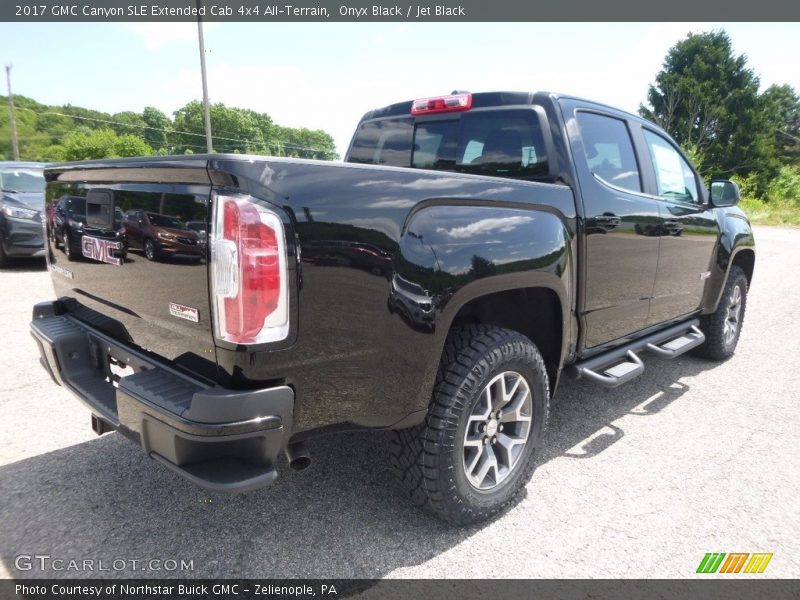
(606, 221)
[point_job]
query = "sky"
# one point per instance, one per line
(327, 75)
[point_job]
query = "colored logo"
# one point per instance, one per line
(736, 562)
(100, 249)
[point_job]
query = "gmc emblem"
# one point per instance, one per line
(100, 249)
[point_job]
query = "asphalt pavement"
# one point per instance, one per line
(641, 481)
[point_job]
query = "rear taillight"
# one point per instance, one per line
(440, 104)
(248, 272)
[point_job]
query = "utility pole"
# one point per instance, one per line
(209, 145)
(14, 143)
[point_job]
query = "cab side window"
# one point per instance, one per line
(609, 150)
(674, 177)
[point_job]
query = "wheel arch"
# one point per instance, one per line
(506, 264)
(746, 259)
(736, 247)
(538, 310)
(743, 257)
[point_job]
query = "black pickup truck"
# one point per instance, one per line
(470, 250)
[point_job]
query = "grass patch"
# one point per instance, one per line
(771, 213)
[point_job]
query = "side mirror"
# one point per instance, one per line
(724, 192)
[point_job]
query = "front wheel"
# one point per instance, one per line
(723, 327)
(150, 250)
(69, 251)
(474, 453)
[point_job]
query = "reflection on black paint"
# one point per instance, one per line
(137, 293)
(162, 236)
(368, 241)
(414, 304)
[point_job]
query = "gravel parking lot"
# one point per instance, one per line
(640, 481)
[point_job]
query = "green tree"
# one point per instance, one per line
(707, 99)
(781, 106)
(158, 129)
(128, 122)
(131, 145)
(32, 139)
(305, 143)
(482, 267)
(247, 131)
(232, 129)
(59, 133)
(85, 144)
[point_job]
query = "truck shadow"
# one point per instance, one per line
(582, 416)
(344, 517)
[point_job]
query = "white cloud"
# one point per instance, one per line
(287, 94)
(392, 203)
(501, 225)
(157, 35)
(324, 87)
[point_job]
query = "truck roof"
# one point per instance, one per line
(490, 99)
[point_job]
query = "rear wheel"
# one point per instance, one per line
(474, 453)
(723, 327)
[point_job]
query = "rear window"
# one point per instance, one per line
(76, 205)
(504, 143)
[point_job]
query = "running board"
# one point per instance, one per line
(616, 374)
(677, 346)
(621, 365)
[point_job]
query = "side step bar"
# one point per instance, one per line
(621, 365)
(691, 339)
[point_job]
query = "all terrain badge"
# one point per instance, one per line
(184, 312)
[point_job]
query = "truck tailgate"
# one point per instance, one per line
(128, 248)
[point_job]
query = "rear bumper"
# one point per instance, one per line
(222, 440)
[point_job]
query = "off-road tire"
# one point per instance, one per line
(428, 458)
(718, 346)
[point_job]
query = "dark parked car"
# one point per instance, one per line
(21, 210)
(506, 228)
(67, 220)
(67, 226)
(161, 235)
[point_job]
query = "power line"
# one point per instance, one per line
(42, 136)
(282, 145)
(63, 135)
(225, 147)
